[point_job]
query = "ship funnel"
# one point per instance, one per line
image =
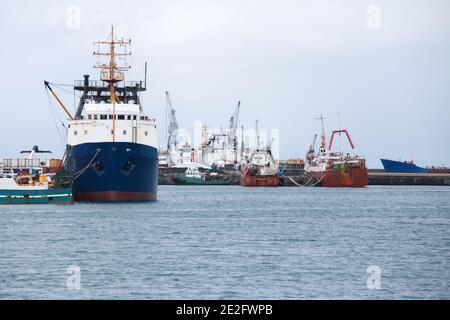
(83, 97)
(86, 82)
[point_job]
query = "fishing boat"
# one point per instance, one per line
(111, 143)
(34, 180)
(193, 176)
(32, 189)
(331, 168)
(260, 169)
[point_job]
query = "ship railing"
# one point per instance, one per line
(102, 84)
(22, 163)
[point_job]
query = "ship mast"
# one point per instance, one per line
(257, 134)
(323, 137)
(111, 72)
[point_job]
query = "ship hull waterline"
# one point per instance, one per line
(180, 180)
(401, 167)
(354, 178)
(249, 180)
(46, 196)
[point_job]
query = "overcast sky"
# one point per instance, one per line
(384, 65)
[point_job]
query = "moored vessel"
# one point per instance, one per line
(260, 169)
(112, 144)
(193, 176)
(401, 166)
(259, 176)
(34, 181)
(33, 189)
(393, 166)
(334, 168)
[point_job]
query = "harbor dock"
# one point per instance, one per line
(376, 177)
(409, 179)
(381, 178)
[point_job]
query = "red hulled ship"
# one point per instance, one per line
(336, 169)
(260, 169)
(257, 173)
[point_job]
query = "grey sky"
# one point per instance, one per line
(288, 61)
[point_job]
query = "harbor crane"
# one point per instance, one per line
(232, 137)
(235, 117)
(173, 125)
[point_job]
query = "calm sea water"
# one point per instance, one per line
(233, 243)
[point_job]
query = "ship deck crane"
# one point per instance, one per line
(339, 132)
(47, 85)
(235, 117)
(313, 144)
(312, 148)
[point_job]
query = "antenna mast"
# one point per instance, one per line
(257, 134)
(111, 72)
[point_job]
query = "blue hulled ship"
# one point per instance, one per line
(401, 166)
(111, 143)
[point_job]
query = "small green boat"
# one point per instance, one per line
(32, 189)
(193, 177)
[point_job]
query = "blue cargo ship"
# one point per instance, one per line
(111, 143)
(402, 166)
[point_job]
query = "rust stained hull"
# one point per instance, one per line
(114, 196)
(249, 180)
(342, 178)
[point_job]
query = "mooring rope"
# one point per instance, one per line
(79, 173)
(306, 184)
(297, 184)
(56, 119)
(321, 178)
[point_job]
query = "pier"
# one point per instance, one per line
(376, 178)
(409, 179)
(381, 178)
